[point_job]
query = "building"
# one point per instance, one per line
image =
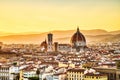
(14, 72)
(21, 75)
(64, 48)
(95, 76)
(14, 69)
(7, 54)
(75, 74)
(9, 73)
(43, 46)
(59, 76)
(56, 46)
(27, 72)
(61, 64)
(50, 42)
(27, 55)
(4, 73)
(78, 42)
(112, 73)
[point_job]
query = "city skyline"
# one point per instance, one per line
(59, 40)
(47, 15)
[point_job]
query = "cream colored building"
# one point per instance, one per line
(75, 74)
(21, 75)
(25, 74)
(95, 76)
(66, 65)
(4, 73)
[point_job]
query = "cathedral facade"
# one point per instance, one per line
(78, 42)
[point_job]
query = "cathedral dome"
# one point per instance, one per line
(44, 46)
(78, 39)
(44, 43)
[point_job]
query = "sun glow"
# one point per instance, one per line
(41, 16)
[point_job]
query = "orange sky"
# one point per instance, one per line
(46, 15)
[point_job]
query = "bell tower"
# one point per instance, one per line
(50, 42)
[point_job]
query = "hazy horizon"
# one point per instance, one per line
(29, 32)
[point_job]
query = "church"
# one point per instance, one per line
(77, 44)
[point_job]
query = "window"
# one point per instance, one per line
(96, 77)
(119, 76)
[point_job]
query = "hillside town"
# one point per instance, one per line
(51, 60)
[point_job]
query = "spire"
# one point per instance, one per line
(78, 29)
(77, 32)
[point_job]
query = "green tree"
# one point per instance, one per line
(34, 78)
(15, 63)
(38, 72)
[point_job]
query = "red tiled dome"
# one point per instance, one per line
(78, 37)
(44, 44)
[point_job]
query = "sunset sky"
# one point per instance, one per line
(46, 15)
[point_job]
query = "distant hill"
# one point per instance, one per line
(89, 38)
(114, 38)
(61, 36)
(115, 32)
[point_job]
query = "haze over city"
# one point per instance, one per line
(59, 39)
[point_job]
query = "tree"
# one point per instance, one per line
(33, 78)
(44, 79)
(15, 63)
(38, 72)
